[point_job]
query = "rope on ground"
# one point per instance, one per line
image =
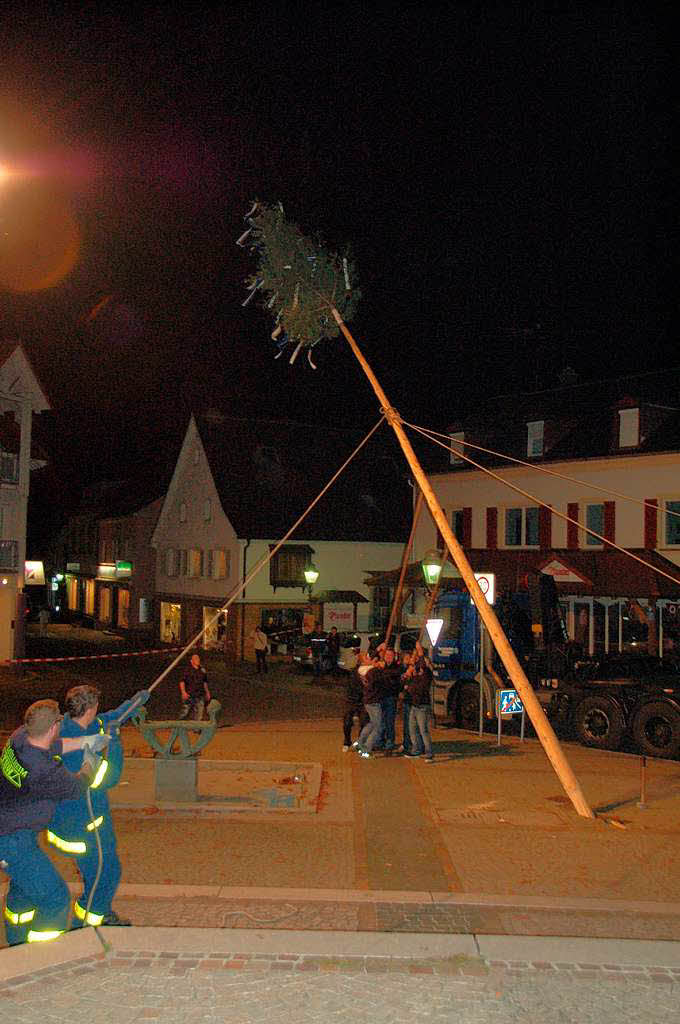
(241, 586)
(89, 657)
(560, 515)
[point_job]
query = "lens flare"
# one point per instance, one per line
(39, 236)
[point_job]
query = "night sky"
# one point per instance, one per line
(503, 173)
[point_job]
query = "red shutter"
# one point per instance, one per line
(572, 528)
(651, 523)
(439, 543)
(467, 528)
(492, 528)
(544, 528)
(610, 520)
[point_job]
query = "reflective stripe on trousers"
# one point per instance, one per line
(17, 919)
(64, 844)
(87, 918)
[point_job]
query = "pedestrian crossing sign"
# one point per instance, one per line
(509, 703)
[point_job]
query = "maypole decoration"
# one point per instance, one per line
(301, 282)
(309, 293)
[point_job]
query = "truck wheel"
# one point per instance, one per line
(656, 729)
(599, 723)
(468, 706)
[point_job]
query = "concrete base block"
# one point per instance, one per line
(176, 779)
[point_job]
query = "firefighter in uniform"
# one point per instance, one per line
(32, 782)
(74, 823)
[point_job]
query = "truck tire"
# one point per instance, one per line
(599, 722)
(468, 706)
(656, 728)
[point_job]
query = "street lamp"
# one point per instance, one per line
(311, 576)
(431, 564)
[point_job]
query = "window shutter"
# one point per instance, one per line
(572, 528)
(544, 528)
(610, 520)
(467, 528)
(651, 521)
(492, 528)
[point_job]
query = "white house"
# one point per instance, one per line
(238, 486)
(21, 395)
(623, 437)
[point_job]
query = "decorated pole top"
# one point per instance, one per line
(301, 283)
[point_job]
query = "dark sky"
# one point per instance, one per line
(503, 173)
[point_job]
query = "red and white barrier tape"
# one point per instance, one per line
(89, 657)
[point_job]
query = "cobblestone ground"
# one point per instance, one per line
(243, 989)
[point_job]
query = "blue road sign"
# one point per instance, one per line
(509, 703)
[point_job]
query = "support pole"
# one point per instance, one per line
(404, 566)
(543, 729)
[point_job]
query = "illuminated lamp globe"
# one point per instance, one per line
(431, 564)
(311, 575)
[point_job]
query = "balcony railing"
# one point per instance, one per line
(9, 468)
(9, 555)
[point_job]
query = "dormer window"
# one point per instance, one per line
(629, 428)
(457, 446)
(535, 439)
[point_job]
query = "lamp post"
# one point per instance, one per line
(431, 564)
(311, 576)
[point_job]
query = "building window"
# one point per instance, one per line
(195, 562)
(182, 571)
(196, 456)
(594, 521)
(144, 610)
(105, 604)
(9, 468)
(521, 527)
(123, 609)
(171, 562)
(221, 564)
(72, 593)
(672, 523)
(210, 564)
(535, 439)
(207, 510)
(629, 428)
(458, 524)
(287, 567)
(183, 512)
(456, 446)
(89, 597)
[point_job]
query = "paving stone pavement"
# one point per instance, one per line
(244, 988)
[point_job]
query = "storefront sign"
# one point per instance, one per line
(562, 573)
(339, 615)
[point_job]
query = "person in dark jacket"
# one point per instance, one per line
(417, 687)
(333, 649)
(372, 684)
(354, 706)
(193, 689)
(391, 672)
(33, 782)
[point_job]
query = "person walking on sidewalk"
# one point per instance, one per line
(354, 706)
(193, 688)
(417, 686)
(33, 781)
(372, 684)
(261, 643)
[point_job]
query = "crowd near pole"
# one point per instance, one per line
(543, 729)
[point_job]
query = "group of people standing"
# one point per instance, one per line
(382, 681)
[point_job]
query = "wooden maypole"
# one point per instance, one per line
(303, 287)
